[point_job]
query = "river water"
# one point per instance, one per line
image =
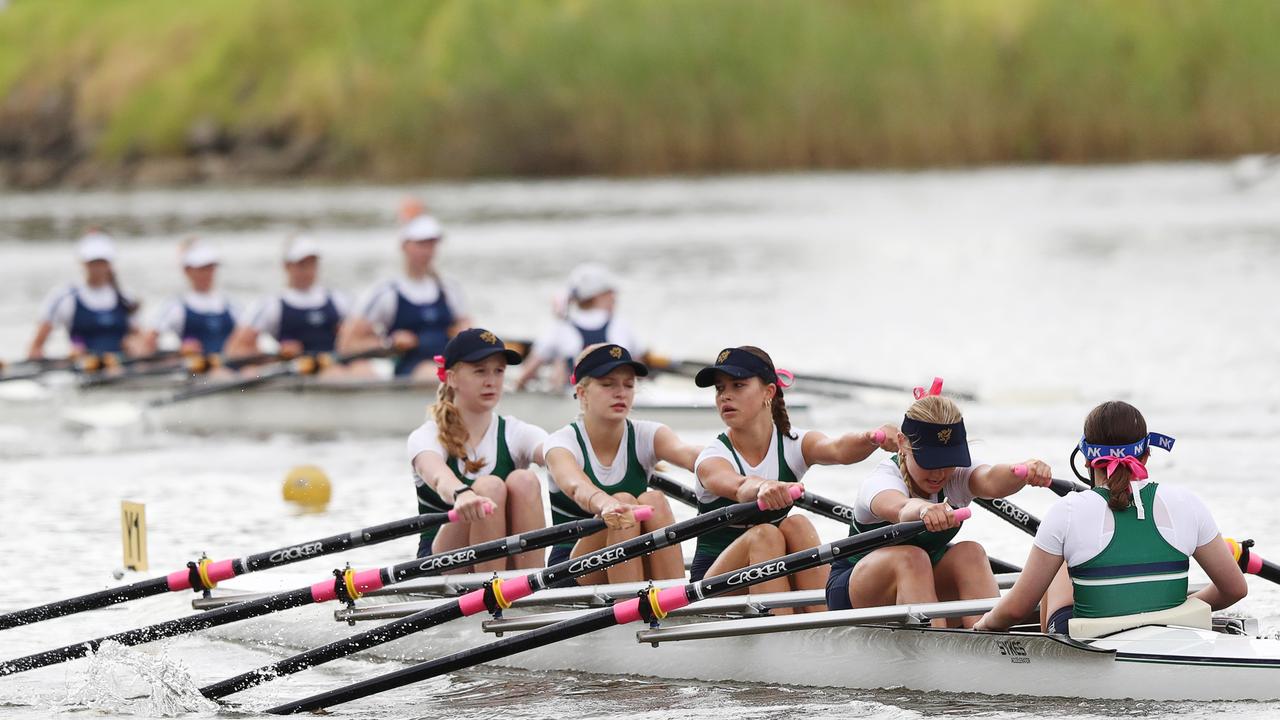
(1044, 290)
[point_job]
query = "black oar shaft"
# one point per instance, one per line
(181, 579)
(609, 617)
(576, 567)
(319, 592)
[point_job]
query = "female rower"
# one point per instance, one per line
(419, 312)
(600, 466)
(759, 457)
(96, 313)
(1122, 548)
(589, 319)
(202, 318)
(303, 319)
(931, 474)
(467, 456)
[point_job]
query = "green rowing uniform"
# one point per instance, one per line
(935, 544)
(635, 480)
(429, 501)
(713, 543)
(1138, 571)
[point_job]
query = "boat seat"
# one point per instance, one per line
(1192, 613)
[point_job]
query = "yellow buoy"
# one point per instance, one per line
(308, 486)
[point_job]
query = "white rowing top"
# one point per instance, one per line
(608, 475)
(887, 476)
(523, 441)
(378, 305)
(1080, 526)
(564, 341)
(59, 306)
(264, 315)
(792, 451)
(173, 314)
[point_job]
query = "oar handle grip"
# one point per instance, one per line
(1020, 471)
(962, 514)
(795, 491)
(454, 516)
(878, 436)
(642, 513)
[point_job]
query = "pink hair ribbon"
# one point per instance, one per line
(934, 389)
(1111, 463)
(790, 376)
(440, 371)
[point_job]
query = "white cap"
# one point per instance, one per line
(198, 253)
(96, 246)
(300, 247)
(423, 227)
(589, 280)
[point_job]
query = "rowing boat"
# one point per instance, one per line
(736, 639)
(314, 405)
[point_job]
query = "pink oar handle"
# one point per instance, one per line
(453, 514)
(642, 513)
(878, 437)
(795, 491)
(962, 514)
(1020, 471)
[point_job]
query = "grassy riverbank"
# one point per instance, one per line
(392, 90)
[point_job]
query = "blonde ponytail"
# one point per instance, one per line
(452, 431)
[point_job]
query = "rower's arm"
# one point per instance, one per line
(528, 369)
(357, 335)
(1021, 600)
(847, 449)
(997, 481)
(1227, 585)
(566, 474)
(242, 343)
(437, 475)
(718, 476)
(36, 350)
(668, 446)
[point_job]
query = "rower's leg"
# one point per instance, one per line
(892, 576)
(965, 574)
(631, 570)
(492, 526)
(757, 544)
(799, 534)
(524, 513)
(667, 563)
(1059, 595)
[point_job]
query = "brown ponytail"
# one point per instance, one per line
(130, 306)
(780, 418)
(451, 430)
(1115, 423)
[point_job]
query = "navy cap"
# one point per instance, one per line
(604, 360)
(937, 445)
(475, 345)
(736, 363)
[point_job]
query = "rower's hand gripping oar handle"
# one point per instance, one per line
(498, 593)
(673, 598)
(454, 516)
(1251, 562)
(1060, 487)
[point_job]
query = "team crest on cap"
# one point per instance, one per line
(945, 435)
(615, 352)
(489, 337)
(723, 356)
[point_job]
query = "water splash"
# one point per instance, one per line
(125, 680)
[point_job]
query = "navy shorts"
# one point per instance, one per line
(702, 562)
(1057, 624)
(559, 554)
(838, 588)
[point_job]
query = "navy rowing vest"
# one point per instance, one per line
(589, 338)
(431, 323)
(315, 328)
(211, 329)
(99, 331)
